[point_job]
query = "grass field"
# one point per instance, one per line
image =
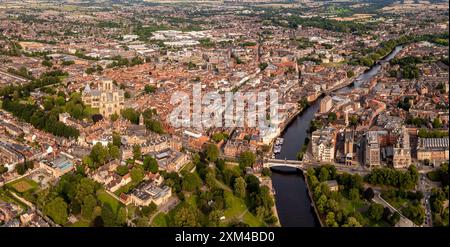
(108, 199)
(350, 206)
(159, 220)
(80, 223)
(222, 186)
(237, 209)
(232, 166)
(192, 200)
(187, 168)
(23, 185)
(7, 197)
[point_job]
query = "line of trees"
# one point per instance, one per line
(99, 155)
(47, 78)
(391, 177)
(387, 47)
(437, 201)
(425, 133)
(40, 119)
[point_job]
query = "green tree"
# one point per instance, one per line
(149, 89)
(324, 174)
(416, 213)
(212, 152)
(246, 159)
(3, 169)
(395, 218)
(137, 155)
(108, 216)
(89, 203)
(114, 151)
(437, 123)
(186, 216)
(191, 182)
(99, 154)
(154, 126)
(122, 170)
(375, 211)
(150, 164)
(321, 203)
(214, 217)
(352, 222)
(151, 208)
(332, 117)
(210, 179)
(137, 174)
(219, 136)
(84, 188)
(130, 114)
(116, 139)
(261, 212)
(121, 218)
(87, 161)
(266, 172)
(353, 194)
(330, 219)
(114, 117)
(240, 187)
(47, 63)
(369, 194)
(350, 74)
(263, 66)
(142, 222)
(20, 168)
(56, 209)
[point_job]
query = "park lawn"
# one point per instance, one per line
(91, 111)
(367, 221)
(236, 208)
(160, 220)
(80, 223)
(252, 220)
(350, 206)
(7, 197)
(108, 199)
(222, 185)
(191, 199)
(232, 166)
(23, 185)
(187, 168)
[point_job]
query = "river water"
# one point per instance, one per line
(292, 200)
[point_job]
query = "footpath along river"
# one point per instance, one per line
(292, 200)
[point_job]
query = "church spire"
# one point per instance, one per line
(141, 120)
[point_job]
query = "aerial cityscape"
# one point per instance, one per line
(259, 113)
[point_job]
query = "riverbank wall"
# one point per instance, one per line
(313, 203)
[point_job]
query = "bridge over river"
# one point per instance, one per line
(280, 162)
